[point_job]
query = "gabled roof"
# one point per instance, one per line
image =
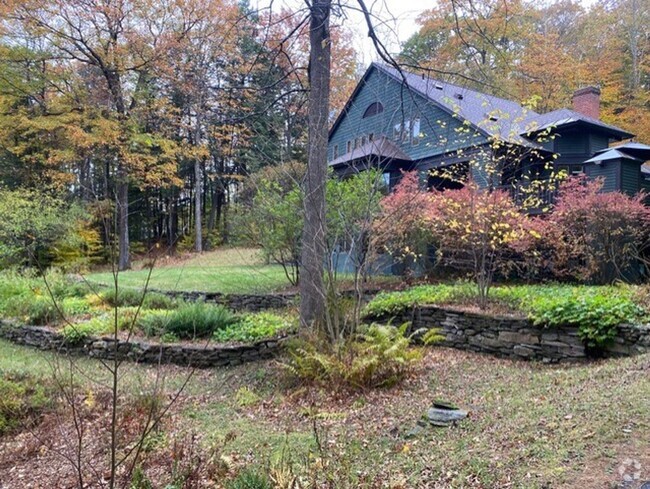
(611, 154)
(563, 117)
(492, 116)
(381, 148)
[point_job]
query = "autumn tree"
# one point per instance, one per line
(121, 44)
(476, 230)
(194, 78)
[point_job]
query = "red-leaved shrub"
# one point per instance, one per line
(403, 227)
(597, 236)
(473, 229)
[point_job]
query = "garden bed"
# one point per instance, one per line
(550, 323)
(150, 327)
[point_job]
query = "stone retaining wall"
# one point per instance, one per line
(518, 337)
(250, 302)
(237, 302)
(201, 356)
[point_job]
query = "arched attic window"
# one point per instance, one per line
(373, 109)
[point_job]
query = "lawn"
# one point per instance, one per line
(530, 425)
(228, 270)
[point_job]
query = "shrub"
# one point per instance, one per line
(28, 298)
(474, 230)
(379, 356)
(75, 334)
(272, 220)
(75, 306)
(196, 320)
(250, 478)
(31, 225)
(105, 323)
(134, 297)
(21, 398)
(596, 236)
(402, 228)
(482, 232)
(35, 309)
(253, 327)
(159, 301)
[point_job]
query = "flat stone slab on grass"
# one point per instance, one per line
(442, 414)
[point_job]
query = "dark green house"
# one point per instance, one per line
(396, 120)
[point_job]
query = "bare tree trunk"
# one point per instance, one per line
(312, 288)
(124, 260)
(198, 186)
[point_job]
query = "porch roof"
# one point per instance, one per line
(381, 148)
(632, 149)
(612, 154)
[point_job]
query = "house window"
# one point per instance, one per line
(363, 140)
(416, 132)
(371, 137)
(571, 169)
(336, 151)
(397, 132)
(348, 146)
(373, 109)
(406, 133)
(386, 179)
(356, 143)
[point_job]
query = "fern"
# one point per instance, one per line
(379, 356)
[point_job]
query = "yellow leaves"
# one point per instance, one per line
(89, 401)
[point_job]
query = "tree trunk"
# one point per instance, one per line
(124, 260)
(198, 186)
(171, 221)
(312, 288)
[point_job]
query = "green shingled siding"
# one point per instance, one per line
(572, 143)
(597, 142)
(441, 131)
(630, 177)
(609, 170)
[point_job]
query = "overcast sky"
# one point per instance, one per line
(399, 17)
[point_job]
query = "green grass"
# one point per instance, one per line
(229, 271)
(531, 426)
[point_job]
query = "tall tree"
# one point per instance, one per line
(312, 289)
(120, 40)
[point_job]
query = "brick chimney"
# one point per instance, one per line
(587, 101)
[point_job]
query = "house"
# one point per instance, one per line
(396, 120)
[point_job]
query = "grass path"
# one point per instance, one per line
(228, 270)
(531, 425)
